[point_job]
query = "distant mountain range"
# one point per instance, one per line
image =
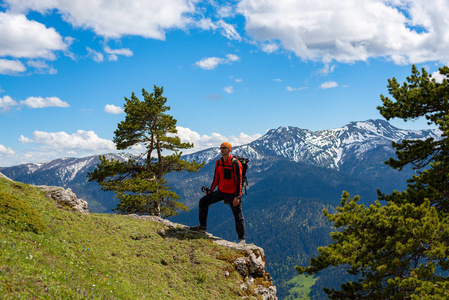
(294, 173)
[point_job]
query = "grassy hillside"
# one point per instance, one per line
(48, 253)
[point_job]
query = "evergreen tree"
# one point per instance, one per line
(139, 182)
(399, 248)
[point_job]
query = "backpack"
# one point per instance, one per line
(244, 163)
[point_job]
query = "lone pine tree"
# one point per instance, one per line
(139, 183)
(399, 248)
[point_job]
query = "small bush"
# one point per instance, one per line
(19, 215)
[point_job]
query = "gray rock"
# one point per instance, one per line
(65, 198)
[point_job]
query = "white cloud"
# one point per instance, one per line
(438, 77)
(270, 48)
(202, 142)
(23, 38)
(6, 151)
(229, 89)
(41, 67)
(40, 102)
(112, 109)
(277, 80)
(238, 80)
(6, 103)
(403, 31)
(231, 58)
(95, 55)
(228, 31)
(25, 140)
(149, 19)
(327, 69)
(290, 89)
(328, 85)
(81, 140)
(211, 63)
(226, 11)
(11, 66)
(113, 53)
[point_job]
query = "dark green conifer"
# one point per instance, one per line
(139, 183)
(400, 248)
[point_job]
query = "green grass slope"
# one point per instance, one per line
(50, 253)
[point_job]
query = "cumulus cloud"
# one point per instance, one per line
(210, 63)
(81, 140)
(25, 140)
(406, 31)
(112, 109)
(149, 19)
(6, 151)
(290, 89)
(328, 85)
(11, 66)
(229, 89)
(277, 80)
(40, 102)
(202, 142)
(6, 103)
(23, 38)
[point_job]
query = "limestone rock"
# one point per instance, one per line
(65, 198)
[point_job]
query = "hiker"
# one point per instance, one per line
(228, 178)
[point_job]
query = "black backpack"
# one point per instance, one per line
(244, 161)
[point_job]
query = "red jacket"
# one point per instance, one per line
(228, 176)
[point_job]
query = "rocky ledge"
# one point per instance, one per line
(65, 198)
(256, 281)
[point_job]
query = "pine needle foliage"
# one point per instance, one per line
(399, 246)
(139, 183)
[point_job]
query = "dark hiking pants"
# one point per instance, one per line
(215, 197)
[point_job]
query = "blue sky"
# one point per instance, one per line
(231, 70)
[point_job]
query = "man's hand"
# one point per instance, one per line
(236, 201)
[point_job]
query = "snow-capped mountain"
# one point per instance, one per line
(358, 149)
(332, 148)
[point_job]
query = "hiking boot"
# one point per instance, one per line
(198, 228)
(242, 242)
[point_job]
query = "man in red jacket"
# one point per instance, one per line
(228, 178)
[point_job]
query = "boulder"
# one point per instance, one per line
(65, 198)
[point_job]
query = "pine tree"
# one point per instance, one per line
(139, 183)
(399, 247)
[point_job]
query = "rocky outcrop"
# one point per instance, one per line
(256, 281)
(65, 198)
